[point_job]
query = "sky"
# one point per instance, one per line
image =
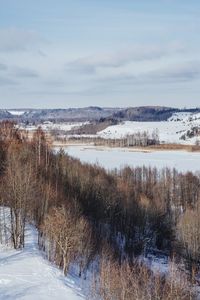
(64, 53)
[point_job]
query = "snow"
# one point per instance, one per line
(47, 126)
(185, 117)
(26, 275)
(111, 158)
(180, 116)
(169, 131)
(156, 263)
(16, 112)
(62, 126)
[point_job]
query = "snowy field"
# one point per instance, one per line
(111, 158)
(48, 126)
(169, 131)
(27, 275)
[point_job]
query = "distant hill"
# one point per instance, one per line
(145, 113)
(142, 113)
(70, 114)
(87, 113)
(4, 114)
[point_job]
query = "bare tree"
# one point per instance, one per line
(19, 188)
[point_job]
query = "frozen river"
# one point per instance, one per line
(111, 158)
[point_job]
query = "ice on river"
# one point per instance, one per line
(111, 158)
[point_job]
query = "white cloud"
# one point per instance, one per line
(3, 67)
(185, 71)
(173, 73)
(4, 81)
(24, 72)
(90, 64)
(14, 39)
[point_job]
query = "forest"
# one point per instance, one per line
(103, 222)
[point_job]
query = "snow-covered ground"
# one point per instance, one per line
(111, 158)
(16, 112)
(48, 126)
(27, 275)
(169, 131)
(62, 126)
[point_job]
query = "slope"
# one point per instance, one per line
(27, 275)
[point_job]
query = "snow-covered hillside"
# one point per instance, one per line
(169, 131)
(180, 128)
(27, 275)
(185, 117)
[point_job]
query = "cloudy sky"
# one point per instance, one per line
(74, 53)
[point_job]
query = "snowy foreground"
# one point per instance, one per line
(111, 158)
(27, 275)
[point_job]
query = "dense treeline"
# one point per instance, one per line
(85, 215)
(139, 139)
